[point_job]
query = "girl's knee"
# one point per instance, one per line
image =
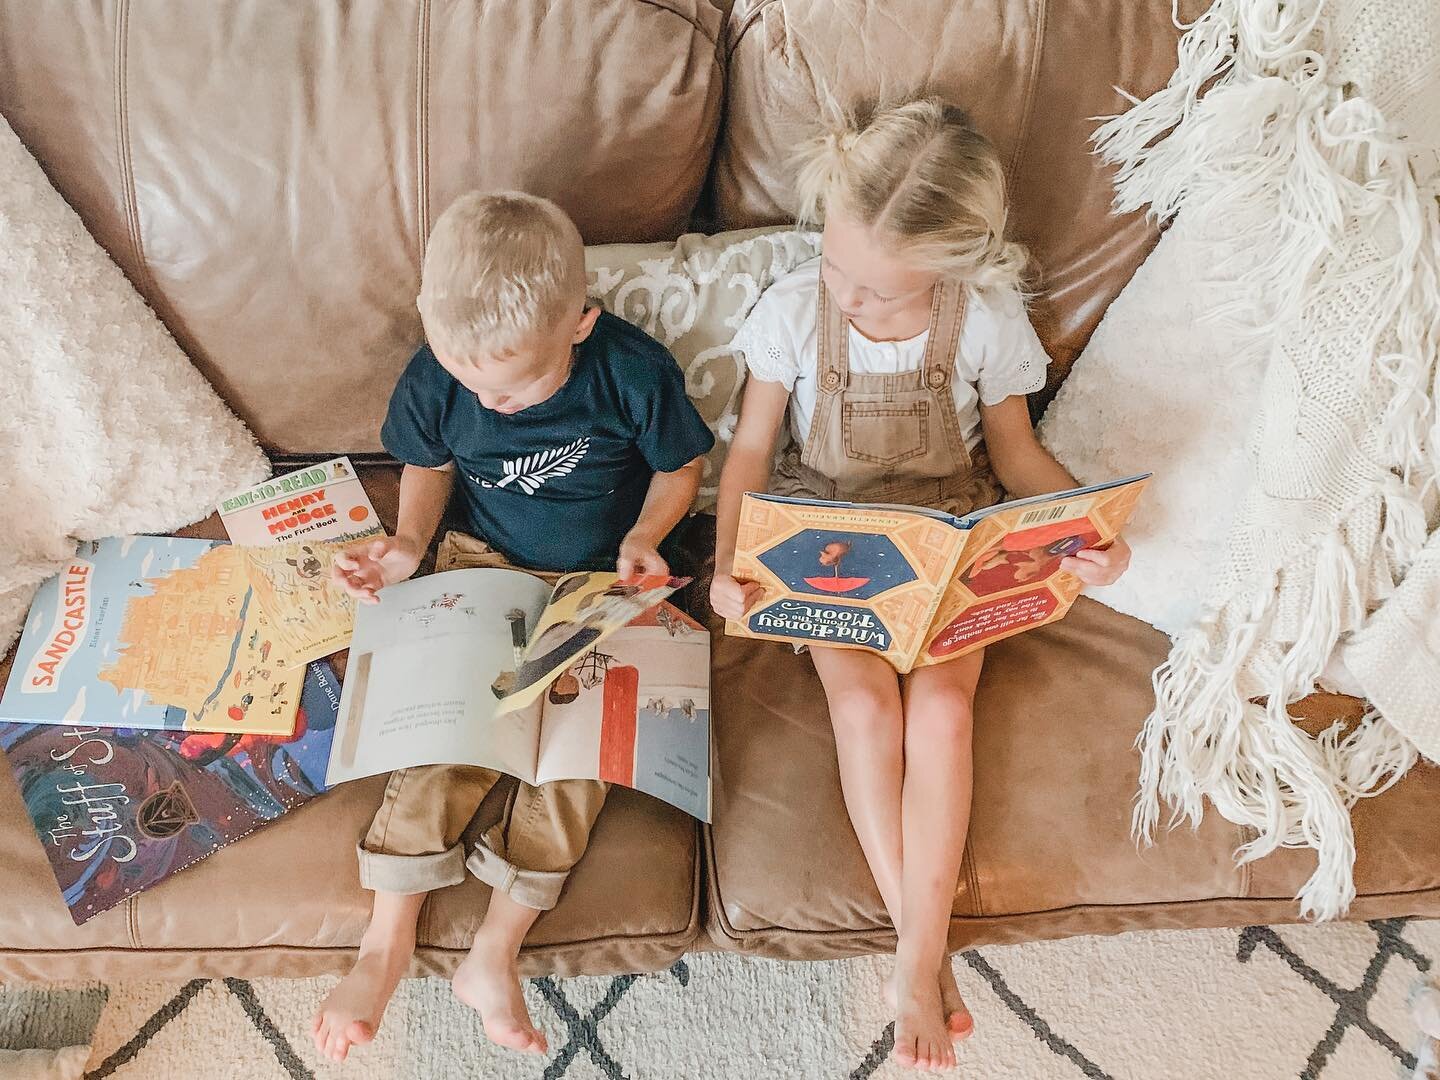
(865, 712)
(945, 716)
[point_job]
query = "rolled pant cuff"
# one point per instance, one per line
(382, 872)
(539, 889)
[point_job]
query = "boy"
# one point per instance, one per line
(574, 447)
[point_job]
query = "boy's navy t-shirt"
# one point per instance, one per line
(558, 485)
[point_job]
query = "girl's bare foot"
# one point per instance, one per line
(488, 981)
(957, 1016)
(350, 1014)
(922, 1039)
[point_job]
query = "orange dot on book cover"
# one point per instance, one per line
(359, 513)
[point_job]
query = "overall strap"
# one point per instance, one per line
(831, 344)
(947, 317)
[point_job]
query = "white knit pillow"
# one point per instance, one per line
(1162, 388)
(106, 427)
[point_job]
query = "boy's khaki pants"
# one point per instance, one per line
(414, 844)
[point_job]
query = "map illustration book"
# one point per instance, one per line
(119, 810)
(152, 632)
(917, 586)
(320, 502)
(595, 679)
(311, 619)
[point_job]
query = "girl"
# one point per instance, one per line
(899, 356)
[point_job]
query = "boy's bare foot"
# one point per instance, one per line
(489, 982)
(952, 1005)
(922, 1039)
(350, 1014)
(957, 1015)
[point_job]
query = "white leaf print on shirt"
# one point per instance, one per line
(529, 472)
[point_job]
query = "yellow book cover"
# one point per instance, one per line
(310, 617)
(917, 586)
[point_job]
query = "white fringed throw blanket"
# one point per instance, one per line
(1313, 127)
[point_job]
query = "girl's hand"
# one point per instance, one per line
(364, 570)
(1099, 566)
(731, 598)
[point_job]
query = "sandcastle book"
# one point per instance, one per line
(119, 810)
(918, 586)
(595, 679)
(152, 632)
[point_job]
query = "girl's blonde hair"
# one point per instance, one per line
(925, 179)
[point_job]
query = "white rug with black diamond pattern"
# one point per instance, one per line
(1314, 1003)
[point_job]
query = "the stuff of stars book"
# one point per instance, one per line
(155, 632)
(912, 585)
(119, 810)
(594, 678)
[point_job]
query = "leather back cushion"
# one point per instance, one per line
(1032, 75)
(266, 171)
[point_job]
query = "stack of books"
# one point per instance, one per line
(168, 696)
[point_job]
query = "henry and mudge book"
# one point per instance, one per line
(918, 586)
(595, 679)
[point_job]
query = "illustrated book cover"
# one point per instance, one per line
(119, 810)
(912, 585)
(152, 632)
(320, 502)
(595, 679)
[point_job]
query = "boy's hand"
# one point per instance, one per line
(731, 598)
(638, 558)
(364, 570)
(1099, 566)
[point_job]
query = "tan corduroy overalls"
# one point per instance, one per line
(888, 438)
(415, 843)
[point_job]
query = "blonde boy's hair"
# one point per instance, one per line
(500, 267)
(925, 179)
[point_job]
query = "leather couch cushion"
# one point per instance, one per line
(1032, 77)
(1050, 850)
(266, 171)
(286, 901)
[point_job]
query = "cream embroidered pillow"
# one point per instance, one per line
(692, 296)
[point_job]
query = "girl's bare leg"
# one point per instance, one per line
(935, 817)
(863, 693)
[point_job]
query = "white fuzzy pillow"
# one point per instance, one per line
(1164, 387)
(105, 427)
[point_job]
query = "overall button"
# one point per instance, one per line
(832, 380)
(935, 378)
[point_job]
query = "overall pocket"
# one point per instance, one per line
(887, 435)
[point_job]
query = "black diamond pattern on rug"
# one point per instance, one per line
(584, 1034)
(1351, 1006)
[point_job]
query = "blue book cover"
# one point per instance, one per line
(119, 810)
(155, 632)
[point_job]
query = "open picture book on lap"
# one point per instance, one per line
(595, 679)
(918, 586)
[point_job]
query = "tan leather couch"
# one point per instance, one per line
(266, 171)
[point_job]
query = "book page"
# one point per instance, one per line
(842, 575)
(636, 711)
(311, 617)
(422, 661)
(1008, 578)
(584, 610)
